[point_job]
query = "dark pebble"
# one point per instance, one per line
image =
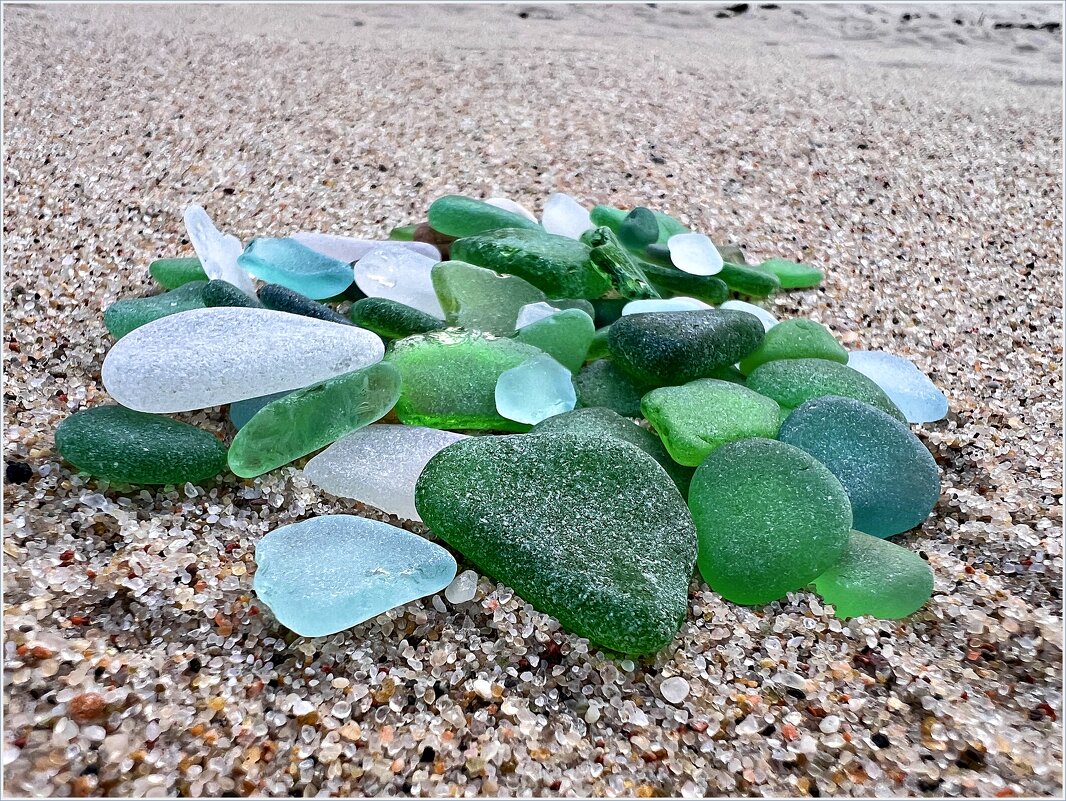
(18, 472)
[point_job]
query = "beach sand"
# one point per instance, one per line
(913, 152)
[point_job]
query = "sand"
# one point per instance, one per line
(913, 152)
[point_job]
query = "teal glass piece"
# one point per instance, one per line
(287, 262)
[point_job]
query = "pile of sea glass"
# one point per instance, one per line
(509, 360)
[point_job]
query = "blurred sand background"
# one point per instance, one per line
(913, 151)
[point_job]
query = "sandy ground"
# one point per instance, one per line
(914, 152)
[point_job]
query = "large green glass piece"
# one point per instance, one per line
(770, 520)
(601, 422)
(614, 261)
(639, 229)
(700, 416)
(889, 475)
(669, 348)
(121, 445)
(876, 577)
(558, 266)
(391, 319)
(792, 382)
(603, 383)
(793, 275)
(281, 298)
(449, 378)
(795, 339)
(565, 336)
(481, 299)
(311, 418)
(172, 273)
(458, 216)
(671, 281)
(124, 316)
(749, 281)
(223, 293)
(588, 529)
(609, 216)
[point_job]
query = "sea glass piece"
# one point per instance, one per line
(349, 249)
(557, 265)
(564, 216)
(379, 465)
(876, 577)
(603, 383)
(565, 336)
(770, 520)
(614, 261)
(327, 574)
(750, 281)
(695, 254)
(207, 357)
(703, 415)
(589, 529)
(296, 266)
(511, 206)
(908, 387)
(400, 275)
(240, 412)
(222, 293)
(122, 445)
(314, 417)
(535, 390)
(795, 339)
(392, 319)
(281, 298)
(792, 382)
(793, 275)
(458, 216)
(480, 299)
(638, 229)
(663, 305)
(172, 273)
(889, 475)
(768, 320)
(218, 252)
(449, 378)
(669, 348)
(129, 314)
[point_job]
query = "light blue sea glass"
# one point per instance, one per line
(296, 266)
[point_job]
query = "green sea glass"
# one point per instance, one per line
(127, 315)
(770, 520)
(603, 383)
(281, 298)
(565, 336)
(670, 282)
(700, 416)
(223, 293)
(393, 320)
(449, 378)
(792, 382)
(588, 529)
(311, 418)
(638, 229)
(749, 281)
(876, 577)
(795, 339)
(121, 445)
(403, 233)
(793, 275)
(172, 273)
(614, 261)
(481, 299)
(458, 216)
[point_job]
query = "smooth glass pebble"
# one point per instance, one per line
(669, 348)
(222, 293)
(602, 422)
(557, 265)
(314, 417)
(670, 281)
(327, 574)
(458, 216)
(535, 390)
(795, 339)
(400, 275)
(695, 254)
(587, 529)
(639, 229)
(674, 690)
(296, 266)
(240, 412)
(750, 281)
(207, 357)
(463, 588)
(890, 476)
(349, 249)
(379, 465)
(793, 275)
(511, 206)
(480, 299)
(172, 273)
(129, 314)
(679, 303)
(449, 378)
(669, 227)
(876, 577)
(119, 444)
(768, 320)
(218, 252)
(793, 382)
(770, 520)
(908, 387)
(532, 312)
(700, 416)
(602, 383)
(402, 233)
(565, 336)
(281, 298)
(391, 319)
(607, 215)
(564, 216)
